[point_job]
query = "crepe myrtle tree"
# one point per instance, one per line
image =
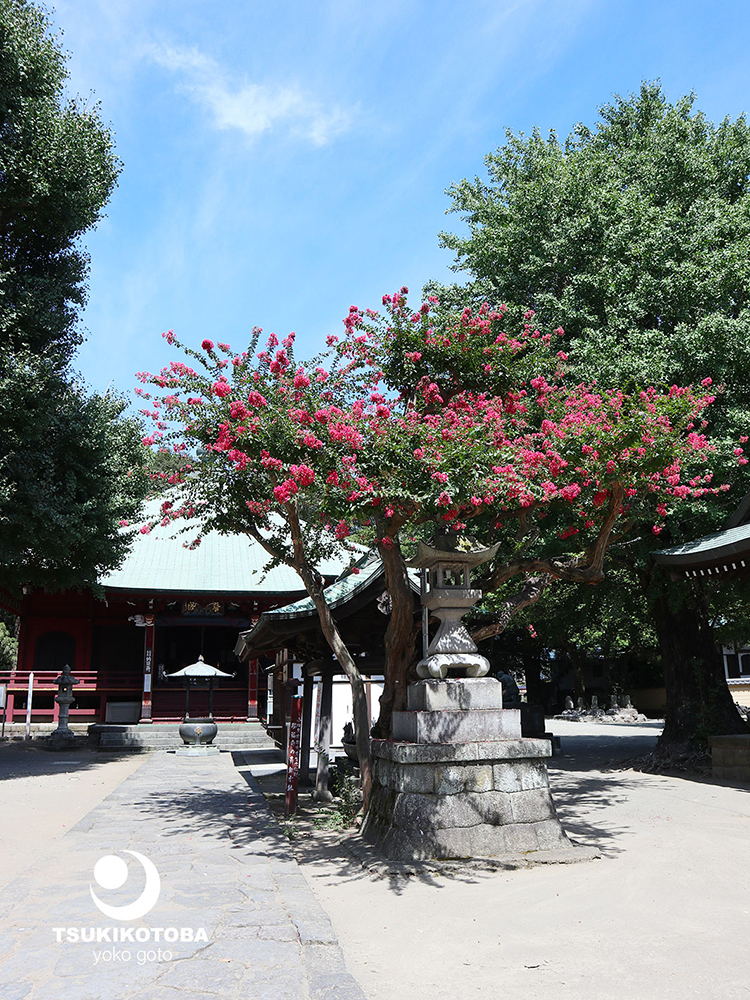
(419, 421)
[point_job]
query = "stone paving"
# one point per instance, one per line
(245, 920)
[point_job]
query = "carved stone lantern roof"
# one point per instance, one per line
(66, 678)
(449, 551)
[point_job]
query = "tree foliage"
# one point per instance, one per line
(65, 456)
(633, 236)
(57, 171)
(393, 430)
(70, 473)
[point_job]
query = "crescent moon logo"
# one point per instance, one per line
(111, 872)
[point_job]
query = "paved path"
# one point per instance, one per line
(227, 881)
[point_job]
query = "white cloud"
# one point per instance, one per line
(252, 108)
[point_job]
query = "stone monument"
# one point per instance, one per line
(457, 780)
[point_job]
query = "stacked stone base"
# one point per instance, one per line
(730, 758)
(458, 780)
(468, 800)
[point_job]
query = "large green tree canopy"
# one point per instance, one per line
(64, 456)
(57, 171)
(634, 236)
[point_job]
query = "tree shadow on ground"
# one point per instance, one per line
(581, 799)
(320, 850)
(23, 759)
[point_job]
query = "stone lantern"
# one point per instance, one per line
(449, 596)
(457, 779)
(198, 733)
(64, 737)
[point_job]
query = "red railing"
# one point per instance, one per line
(19, 679)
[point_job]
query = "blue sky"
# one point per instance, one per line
(284, 161)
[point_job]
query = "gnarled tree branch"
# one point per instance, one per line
(529, 594)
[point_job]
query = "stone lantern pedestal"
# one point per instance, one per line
(458, 780)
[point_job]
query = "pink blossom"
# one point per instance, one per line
(303, 474)
(342, 530)
(285, 491)
(272, 464)
(570, 492)
(310, 441)
(207, 345)
(221, 389)
(238, 411)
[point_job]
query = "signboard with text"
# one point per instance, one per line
(292, 768)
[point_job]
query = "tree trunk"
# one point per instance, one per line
(699, 702)
(315, 586)
(359, 697)
(399, 639)
(578, 663)
(532, 668)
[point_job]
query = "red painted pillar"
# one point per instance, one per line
(148, 660)
(252, 689)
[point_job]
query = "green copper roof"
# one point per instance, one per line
(160, 561)
(722, 546)
(366, 570)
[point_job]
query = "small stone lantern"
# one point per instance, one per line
(449, 596)
(63, 737)
(198, 734)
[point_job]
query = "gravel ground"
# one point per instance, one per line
(662, 915)
(42, 795)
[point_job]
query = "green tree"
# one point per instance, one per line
(72, 470)
(57, 171)
(8, 641)
(65, 456)
(634, 237)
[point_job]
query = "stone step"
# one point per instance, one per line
(239, 736)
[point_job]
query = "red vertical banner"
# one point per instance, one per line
(292, 769)
(148, 656)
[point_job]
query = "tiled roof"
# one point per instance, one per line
(369, 568)
(722, 545)
(160, 561)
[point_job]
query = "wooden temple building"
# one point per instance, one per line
(166, 605)
(289, 639)
(723, 555)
